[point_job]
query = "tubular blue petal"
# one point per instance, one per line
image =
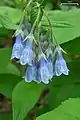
(61, 66)
(27, 54)
(43, 71)
(17, 48)
(64, 68)
(28, 44)
(18, 39)
(58, 71)
(50, 67)
(26, 57)
(31, 73)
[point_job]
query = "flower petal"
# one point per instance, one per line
(43, 71)
(27, 54)
(26, 57)
(50, 67)
(61, 66)
(58, 71)
(17, 48)
(31, 73)
(18, 39)
(17, 51)
(64, 68)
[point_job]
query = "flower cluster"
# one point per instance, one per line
(42, 59)
(43, 63)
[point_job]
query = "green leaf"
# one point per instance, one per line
(24, 98)
(5, 116)
(6, 22)
(20, 1)
(72, 91)
(65, 24)
(69, 46)
(7, 84)
(4, 59)
(9, 17)
(12, 69)
(69, 110)
(9, 73)
(9, 3)
(5, 63)
(3, 32)
(13, 13)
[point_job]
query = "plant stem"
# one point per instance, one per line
(36, 21)
(52, 35)
(26, 8)
(30, 1)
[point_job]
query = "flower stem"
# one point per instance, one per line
(52, 35)
(26, 8)
(23, 15)
(36, 21)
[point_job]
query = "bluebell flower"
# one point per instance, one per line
(60, 64)
(31, 73)
(43, 71)
(50, 67)
(17, 48)
(27, 54)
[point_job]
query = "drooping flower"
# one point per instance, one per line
(60, 64)
(43, 71)
(17, 48)
(50, 67)
(27, 54)
(31, 73)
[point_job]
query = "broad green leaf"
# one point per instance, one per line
(20, 1)
(68, 110)
(24, 98)
(14, 14)
(11, 68)
(5, 116)
(72, 47)
(4, 59)
(9, 17)
(5, 63)
(3, 32)
(9, 73)
(62, 93)
(6, 22)
(7, 84)
(65, 24)
(9, 3)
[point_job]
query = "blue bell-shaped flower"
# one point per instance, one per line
(50, 67)
(27, 54)
(43, 71)
(31, 73)
(17, 48)
(60, 64)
